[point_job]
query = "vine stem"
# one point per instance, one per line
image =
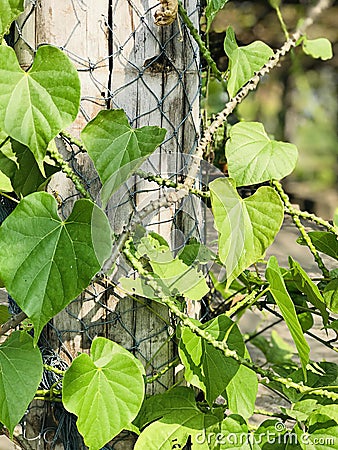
(55, 155)
(296, 219)
(201, 45)
(221, 345)
(12, 323)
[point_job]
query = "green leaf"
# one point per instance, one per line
(271, 435)
(307, 286)
(244, 61)
(172, 418)
(324, 241)
(333, 325)
(287, 308)
(235, 433)
(4, 314)
(172, 275)
(46, 262)
(318, 48)
(330, 295)
(213, 6)
(20, 375)
(36, 105)
(320, 436)
(5, 183)
(105, 390)
(116, 149)
(276, 351)
(254, 158)
(301, 410)
(205, 366)
(246, 227)
(242, 391)
(9, 11)
(195, 253)
(24, 173)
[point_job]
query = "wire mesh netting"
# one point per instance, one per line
(124, 61)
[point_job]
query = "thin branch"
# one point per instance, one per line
(12, 323)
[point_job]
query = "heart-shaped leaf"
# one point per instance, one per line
(205, 366)
(171, 418)
(116, 149)
(287, 308)
(46, 262)
(20, 375)
(36, 105)
(244, 61)
(318, 48)
(9, 11)
(254, 158)
(105, 390)
(246, 227)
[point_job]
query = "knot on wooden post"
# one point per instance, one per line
(167, 14)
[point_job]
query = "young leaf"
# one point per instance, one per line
(242, 391)
(287, 308)
(46, 262)
(330, 295)
(318, 48)
(307, 286)
(9, 11)
(36, 105)
(246, 227)
(171, 418)
(116, 149)
(205, 366)
(244, 61)
(254, 158)
(213, 6)
(105, 390)
(324, 241)
(20, 375)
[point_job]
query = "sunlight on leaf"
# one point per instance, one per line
(10, 10)
(46, 262)
(246, 227)
(254, 158)
(117, 149)
(244, 61)
(36, 105)
(105, 390)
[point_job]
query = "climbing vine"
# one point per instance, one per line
(47, 261)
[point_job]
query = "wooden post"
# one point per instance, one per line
(152, 72)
